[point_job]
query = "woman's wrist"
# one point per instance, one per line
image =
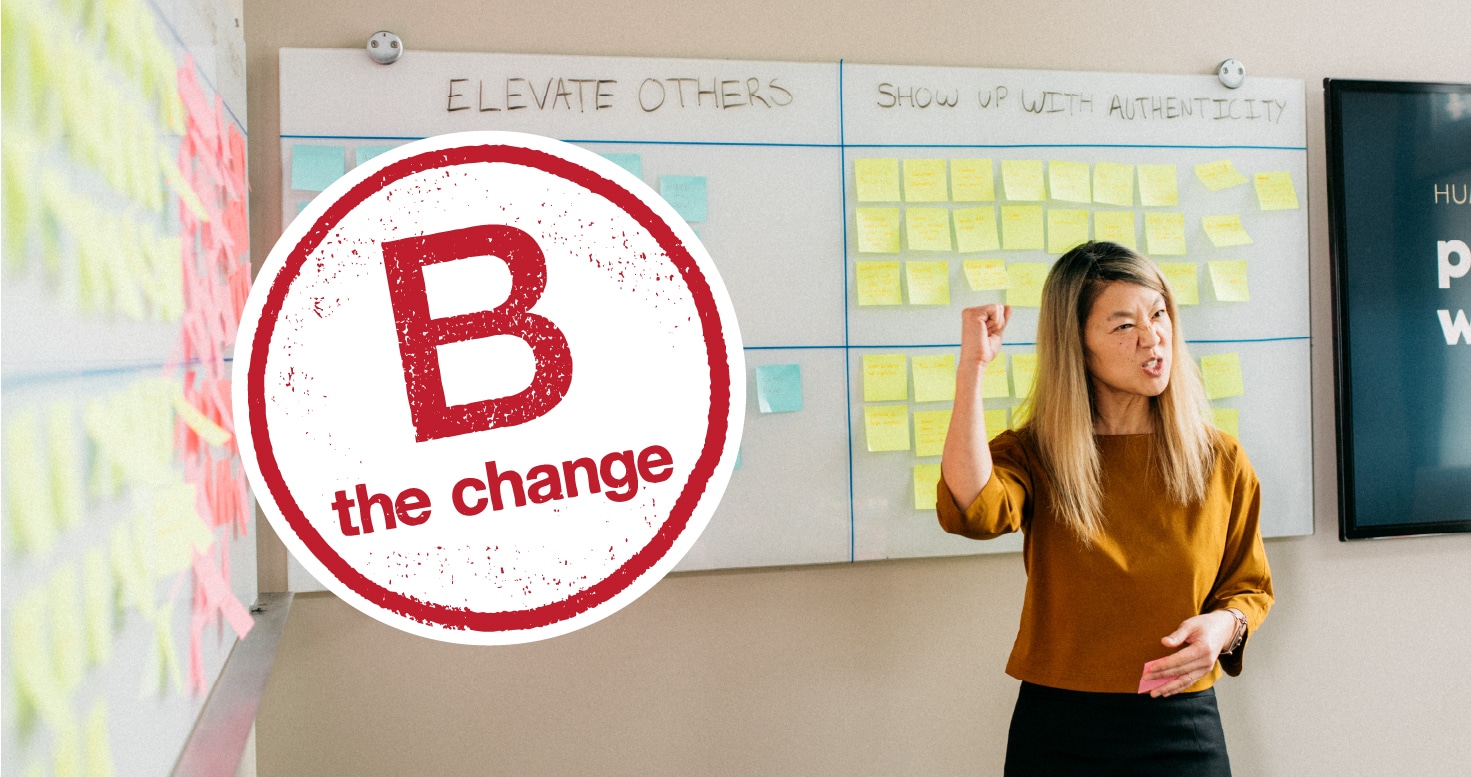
(1238, 632)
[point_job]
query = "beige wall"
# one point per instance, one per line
(880, 668)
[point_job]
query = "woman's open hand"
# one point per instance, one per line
(980, 332)
(1203, 637)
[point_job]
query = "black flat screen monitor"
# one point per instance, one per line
(1399, 191)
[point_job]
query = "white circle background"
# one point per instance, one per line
(338, 412)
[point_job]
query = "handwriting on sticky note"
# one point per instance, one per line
(687, 193)
(924, 181)
(928, 229)
(930, 427)
(1228, 420)
(1225, 231)
(985, 274)
(1184, 281)
(877, 180)
(994, 383)
(885, 377)
(995, 422)
(1116, 226)
(1164, 233)
(1023, 374)
(1024, 284)
(975, 230)
(1066, 229)
(878, 230)
(1069, 181)
(929, 282)
(1222, 375)
(1158, 186)
(1113, 184)
(1218, 175)
(886, 427)
(314, 168)
(1022, 180)
(926, 480)
(878, 283)
(1021, 227)
(633, 163)
(779, 388)
(934, 377)
(1228, 280)
(972, 180)
(1145, 686)
(1274, 191)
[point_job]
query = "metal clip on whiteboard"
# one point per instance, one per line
(1231, 72)
(385, 48)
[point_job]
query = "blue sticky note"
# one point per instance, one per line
(633, 163)
(686, 193)
(314, 168)
(364, 153)
(779, 388)
(738, 458)
(301, 206)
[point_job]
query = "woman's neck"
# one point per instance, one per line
(1117, 412)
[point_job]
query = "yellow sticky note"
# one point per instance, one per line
(1023, 374)
(1274, 191)
(996, 422)
(97, 746)
(934, 378)
(1225, 231)
(926, 481)
(1069, 181)
(924, 181)
(878, 230)
(1222, 374)
(1113, 184)
(1228, 420)
(1021, 227)
(878, 283)
(97, 605)
(886, 427)
(162, 671)
(28, 500)
(877, 179)
(972, 180)
(929, 282)
(65, 464)
(1219, 175)
(68, 648)
(1024, 284)
(1228, 279)
(885, 377)
(985, 274)
(975, 230)
(1184, 281)
(1022, 179)
(930, 427)
(1165, 233)
(928, 229)
(30, 657)
(1066, 229)
(1158, 186)
(994, 383)
(1116, 226)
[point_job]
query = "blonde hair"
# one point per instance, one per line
(1060, 410)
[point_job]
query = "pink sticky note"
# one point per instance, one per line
(1145, 686)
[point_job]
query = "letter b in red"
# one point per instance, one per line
(419, 335)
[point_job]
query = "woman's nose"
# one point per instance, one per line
(1149, 336)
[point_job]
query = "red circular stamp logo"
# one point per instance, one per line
(489, 387)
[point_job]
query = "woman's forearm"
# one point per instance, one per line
(966, 458)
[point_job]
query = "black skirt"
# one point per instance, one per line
(1059, 733)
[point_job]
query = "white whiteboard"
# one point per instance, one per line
(73, 345)
(781, 227)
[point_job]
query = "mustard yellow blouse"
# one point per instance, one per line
(1093, 617)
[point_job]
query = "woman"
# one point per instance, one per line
(1142, 543)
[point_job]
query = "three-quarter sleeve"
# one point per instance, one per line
(1245, 580)
(1005, 502)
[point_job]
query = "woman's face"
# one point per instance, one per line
(1126, 340)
